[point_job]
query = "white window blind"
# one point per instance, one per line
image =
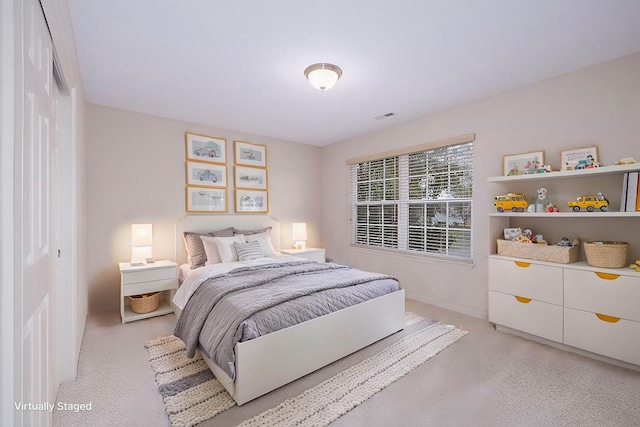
(417, 202)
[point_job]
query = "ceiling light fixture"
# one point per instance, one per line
(323, 76)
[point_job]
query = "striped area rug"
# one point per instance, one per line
(191, 393)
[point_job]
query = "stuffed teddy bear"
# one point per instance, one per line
(542, 200)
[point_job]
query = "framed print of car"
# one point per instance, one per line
(205, 148)
(202, 174)
(249, 154)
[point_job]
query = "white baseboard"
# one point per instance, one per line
(459, 309)
(568, 348)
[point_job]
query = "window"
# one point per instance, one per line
(417, 202)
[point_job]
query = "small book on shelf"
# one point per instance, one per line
(623, 200)
(638, 195)
(632, 192)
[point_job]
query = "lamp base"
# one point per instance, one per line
(300, 244)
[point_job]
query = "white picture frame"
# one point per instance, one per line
(203, 174)
(249, 154)
(206, 200)
(205, 148)
(578, 158)
(252, 201)
(250, 177)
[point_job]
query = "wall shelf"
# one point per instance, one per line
(594, 214)
(605, 170)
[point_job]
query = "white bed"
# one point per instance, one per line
(268, 362)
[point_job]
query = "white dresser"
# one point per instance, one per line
(593, 309)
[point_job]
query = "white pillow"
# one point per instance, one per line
(265, 243)
(211, 250)
(225, 247)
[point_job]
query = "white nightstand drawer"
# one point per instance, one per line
(535, 281)
(603, 293)
(148, 275)
(146, 287)
(616, 339)
(531, 316)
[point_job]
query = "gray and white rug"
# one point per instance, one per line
(191, 393)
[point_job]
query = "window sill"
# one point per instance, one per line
(424, 259)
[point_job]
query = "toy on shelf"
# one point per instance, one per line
(523, 236)
(625, 161)
(590, 203)
(636, 265)
(514, 202)
(542, 203)
(587, 163)
(564, 242)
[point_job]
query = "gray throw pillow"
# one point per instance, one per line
(248, 251)
(249, 232)
(197, 257)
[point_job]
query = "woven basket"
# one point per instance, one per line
(145, 303)
(606, 254)
(549, 253)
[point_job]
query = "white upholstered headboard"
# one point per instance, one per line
(206, 223)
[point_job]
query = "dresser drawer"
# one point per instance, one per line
(148, 275)
(531, 316)
(619, 340)
(535, 281)
(601, 293)
(147, 287)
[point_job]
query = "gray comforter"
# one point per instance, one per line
(254, 301)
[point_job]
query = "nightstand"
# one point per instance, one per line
(312, 254)
(160, 276)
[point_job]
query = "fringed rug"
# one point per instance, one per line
(191, 393)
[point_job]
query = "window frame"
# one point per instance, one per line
(405, 202)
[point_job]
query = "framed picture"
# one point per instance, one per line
(579, 158)
(250, 177)
(206, 174)
(206, 148)
(210, 200)
(252, 201)
(249, 154)
(521, 164)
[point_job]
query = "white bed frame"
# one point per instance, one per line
(271, 361)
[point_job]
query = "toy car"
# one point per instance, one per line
(207, 152)
(590, 203)
(208, 176)
(514, 202)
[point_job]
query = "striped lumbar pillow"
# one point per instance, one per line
(249, 250)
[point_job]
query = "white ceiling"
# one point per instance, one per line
(239, 65)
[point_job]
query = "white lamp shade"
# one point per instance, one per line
(323, 76)
(299, 231)
(141, 235)
(141, 243)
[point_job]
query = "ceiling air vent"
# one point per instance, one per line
(384, 116)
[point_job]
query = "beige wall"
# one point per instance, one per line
(136, 174)
(595, 106)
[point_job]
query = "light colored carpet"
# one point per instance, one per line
(328, 401)
(191, 393)
(489, 378)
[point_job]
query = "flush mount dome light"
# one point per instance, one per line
(322, 76)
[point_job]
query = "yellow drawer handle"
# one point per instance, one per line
(522, 299)
(606, 318)
(522, 264)
(607, 276)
